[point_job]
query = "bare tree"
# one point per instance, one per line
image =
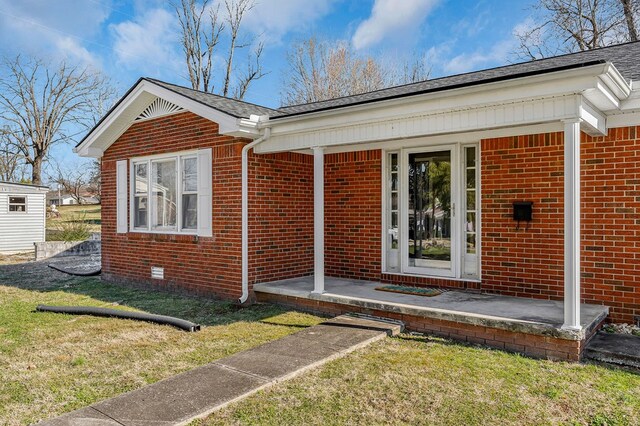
(631, 9)
(72, 181)
(565, 26)
(12, 166)
(412, 71)
(94, 183)
(200, 40)
(41, 106)
(325, 70)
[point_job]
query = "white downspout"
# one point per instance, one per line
(245, 213)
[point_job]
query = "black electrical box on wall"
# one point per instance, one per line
(523, 211)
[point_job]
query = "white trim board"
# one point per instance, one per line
(139, 98)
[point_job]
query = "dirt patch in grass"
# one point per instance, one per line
(53, 363)
(417, 380)
(12, 259)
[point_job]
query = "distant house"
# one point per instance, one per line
(22, 216)
(521, 182)
(60, 198)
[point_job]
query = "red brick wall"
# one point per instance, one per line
(611, 221)
(524, 262)
(533, 345)
(206, 265)
(530, 262)
(281, 219)
(353, 212)
(280, 216)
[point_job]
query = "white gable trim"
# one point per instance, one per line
(134, 103)
(158, 108)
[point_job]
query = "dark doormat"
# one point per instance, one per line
(417, 291)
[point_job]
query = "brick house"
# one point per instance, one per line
(521, 181)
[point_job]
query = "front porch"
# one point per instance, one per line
(529, 326)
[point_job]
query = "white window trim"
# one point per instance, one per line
(458, 152)
(26, 205)
(178, 157)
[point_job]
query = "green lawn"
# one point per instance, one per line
(89, 214)
(51, 363)
(419, 380)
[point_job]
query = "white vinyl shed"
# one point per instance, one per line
(22, 216)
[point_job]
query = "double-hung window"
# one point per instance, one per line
(165, 193)
(18, 204)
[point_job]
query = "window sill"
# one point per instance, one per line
(163, 236)
(147, 231)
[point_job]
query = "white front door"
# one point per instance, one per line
(431, 212)
(428, 213)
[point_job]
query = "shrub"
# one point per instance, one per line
(73, 228)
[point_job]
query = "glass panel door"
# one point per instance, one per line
(429, 212)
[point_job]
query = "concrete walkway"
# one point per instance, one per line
(197, 393)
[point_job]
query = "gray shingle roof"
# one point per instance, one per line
(625, 57)
(233, 107)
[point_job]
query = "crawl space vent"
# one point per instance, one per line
(157, 273)
(158, 108)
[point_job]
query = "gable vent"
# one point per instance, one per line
(158, 108)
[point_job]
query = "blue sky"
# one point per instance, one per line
(130, 39)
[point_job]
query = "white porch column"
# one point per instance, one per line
(572, 225)
(318, 219)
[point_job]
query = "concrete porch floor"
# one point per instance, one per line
(516, 314)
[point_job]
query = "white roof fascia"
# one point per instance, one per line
(550, 84)
(21, 187)
(633, 101)
(452, 121)
(248, 127)
(562, 83)
(123, 116)
(594, 121)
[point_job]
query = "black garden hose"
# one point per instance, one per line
(117, 313)
(77, 274)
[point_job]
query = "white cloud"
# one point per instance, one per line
(498, 54)
(273, 19)
(148, 44)
(72, 49)
(473, 26)
(392, 18)
(54, 30)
